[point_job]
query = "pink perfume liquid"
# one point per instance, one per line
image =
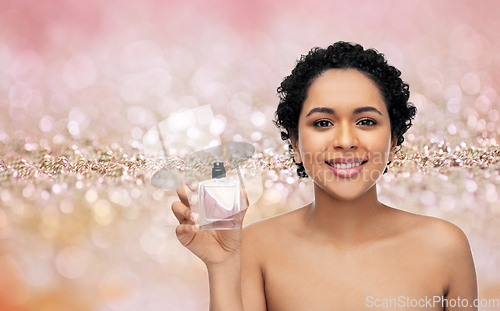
(219, 201)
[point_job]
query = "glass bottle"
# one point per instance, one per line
(219, 200)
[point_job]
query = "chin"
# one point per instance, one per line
(344, 192)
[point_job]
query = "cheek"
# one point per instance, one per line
(380, 152)
(312, 149)
(379, 149)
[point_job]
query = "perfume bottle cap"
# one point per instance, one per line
(218, 171)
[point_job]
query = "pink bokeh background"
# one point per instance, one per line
(110, 70)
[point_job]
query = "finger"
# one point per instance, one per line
(183, 213)
(186, 233)
(191, 184)
(181, 193)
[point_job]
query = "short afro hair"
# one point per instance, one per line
(342, 55)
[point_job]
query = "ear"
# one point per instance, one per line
(296, 152)
(392, 152)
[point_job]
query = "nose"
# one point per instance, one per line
(345, 137)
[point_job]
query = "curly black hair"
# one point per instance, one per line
(342, 55)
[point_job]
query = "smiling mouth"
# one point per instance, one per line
(346, 166)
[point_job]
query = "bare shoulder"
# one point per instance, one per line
(450, 248)
(273, 224)
(442, 233)
(262, 242)
(439, 239)
(272, 230)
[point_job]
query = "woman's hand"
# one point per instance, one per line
(213, 247)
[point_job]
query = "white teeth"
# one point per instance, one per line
(346, 166)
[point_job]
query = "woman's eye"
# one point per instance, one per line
(322, 123)
(370, 122)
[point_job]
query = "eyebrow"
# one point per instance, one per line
(331, 111)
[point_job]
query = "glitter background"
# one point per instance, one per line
(81, 82)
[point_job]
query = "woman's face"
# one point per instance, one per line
(344, 122)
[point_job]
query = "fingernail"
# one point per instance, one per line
(194, 216)
(195, 228)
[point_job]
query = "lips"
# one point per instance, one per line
(346, 172)
(345, 160)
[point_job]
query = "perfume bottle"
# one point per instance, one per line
(219, 200)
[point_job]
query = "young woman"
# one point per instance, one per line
(344, 111)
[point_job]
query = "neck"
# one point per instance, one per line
(346, 223)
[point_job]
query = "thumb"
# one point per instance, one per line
(186, 233)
